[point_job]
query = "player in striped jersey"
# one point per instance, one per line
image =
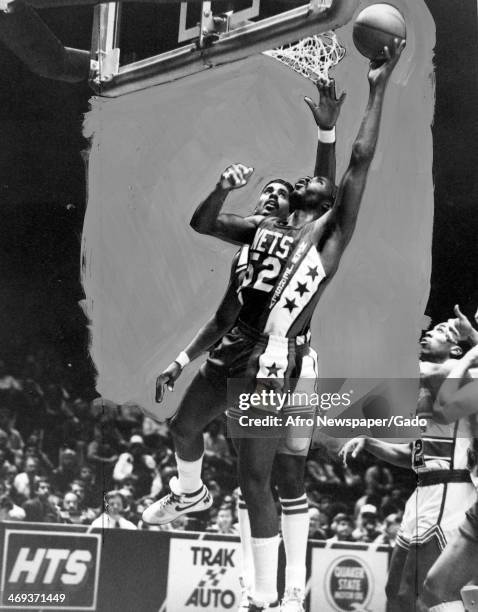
(439, 458)
(458, 564)
(290, 264)
(205, 399)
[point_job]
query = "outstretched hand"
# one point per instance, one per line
(327, 110)
(460, 325)
(352, 447)
(235, 176)
(381, 69)
(166, 379)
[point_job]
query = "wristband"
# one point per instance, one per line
(327, 136)
(182, 359)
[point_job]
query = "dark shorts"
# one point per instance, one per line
(469, 528)
(250, 358)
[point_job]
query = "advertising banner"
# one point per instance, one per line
(49, 570)
(348, 578)
(203, 575)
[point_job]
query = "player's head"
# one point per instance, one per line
(313, 193)
(274, 199)
(440, 343)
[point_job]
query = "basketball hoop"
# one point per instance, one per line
(312, 57)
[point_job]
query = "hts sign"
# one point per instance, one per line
(40, 562)
(51, 565)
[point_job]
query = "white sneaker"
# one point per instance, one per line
(244, 605)
(293, 601)
(174, 504)
(258, 607)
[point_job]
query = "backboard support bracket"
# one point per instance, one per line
(216, 40)
(105, 50)
(213, 24)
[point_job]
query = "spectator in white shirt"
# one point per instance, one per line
(9, 511)
(112, 516)
(24, 483)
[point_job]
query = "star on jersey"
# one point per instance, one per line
(290, 305)
(313, 273)
(301, 289)
(273, 369)
(297, 287)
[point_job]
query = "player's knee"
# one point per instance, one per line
(181, 430)
(434, 589)
(296, 446)
(255, 488)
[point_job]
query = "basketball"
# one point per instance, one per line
(376, 27)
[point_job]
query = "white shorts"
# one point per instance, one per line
(297, 415)
(435, 511)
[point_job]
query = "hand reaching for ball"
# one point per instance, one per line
(381, 69)
(235, 176)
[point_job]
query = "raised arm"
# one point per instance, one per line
(208, 218)
(343, 217)
(326, 112)
(210, 333)
(458, 398)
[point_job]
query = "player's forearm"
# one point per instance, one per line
(207, 336)
(452, 384)
(365, 144)
(396, 454)
(325, 160)
(205, 217)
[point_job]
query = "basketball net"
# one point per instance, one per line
(312, 57)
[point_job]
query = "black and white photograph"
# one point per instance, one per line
(239, 305)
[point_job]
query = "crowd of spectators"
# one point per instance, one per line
(65, 459)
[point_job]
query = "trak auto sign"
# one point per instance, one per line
(49, 570)
(203, 575)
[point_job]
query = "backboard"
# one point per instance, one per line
(137, 45)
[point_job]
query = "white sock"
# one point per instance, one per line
(189, 474)
(265, 552)
(247, 565)
(295, 532)
(449, 606)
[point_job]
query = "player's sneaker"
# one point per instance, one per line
(293, 601)
(253, 607)
(258, 607)
(244, 605)
(175, 504)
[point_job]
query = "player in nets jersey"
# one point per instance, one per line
(205, 400)
(290, 264)
(439, 458)
(458, 563)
